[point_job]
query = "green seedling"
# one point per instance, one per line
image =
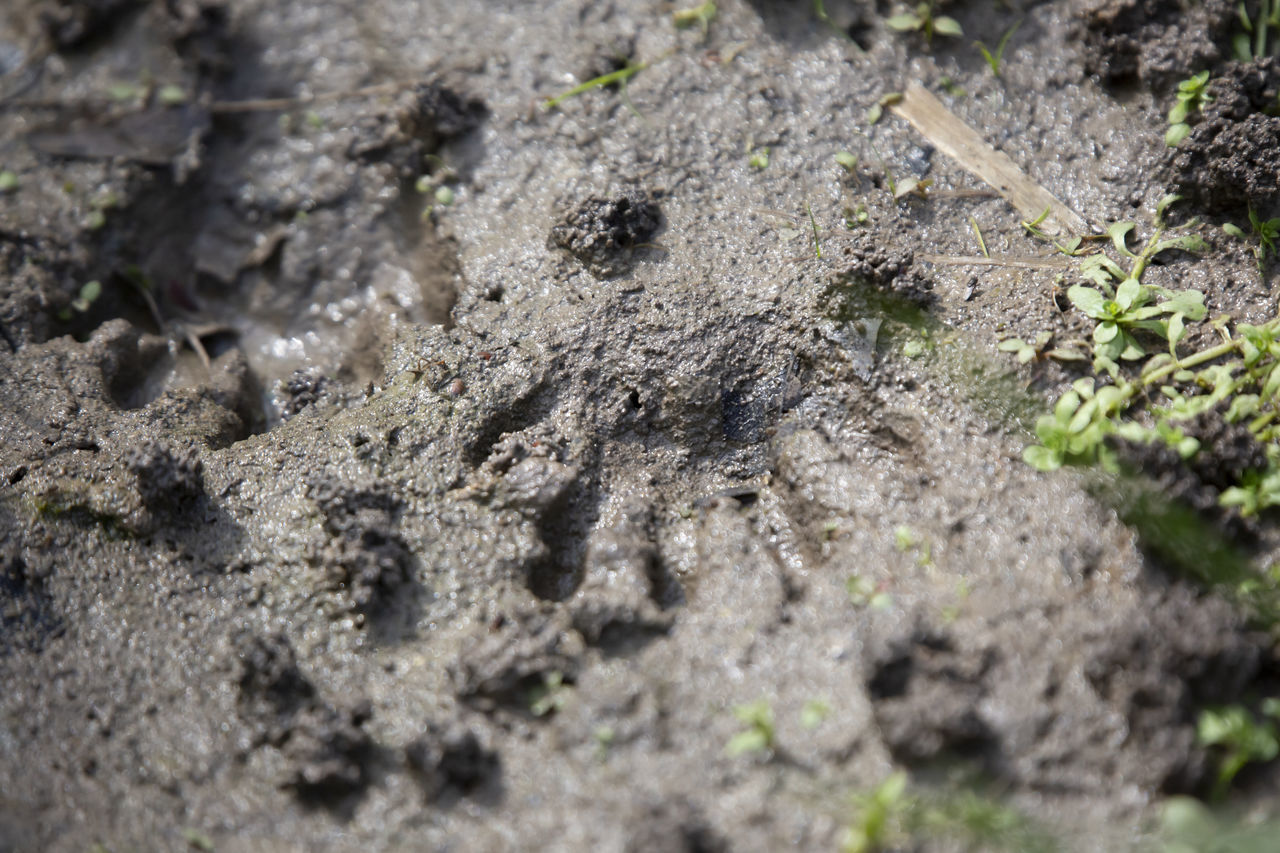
(951, 87)
(1193, 96)
(758, 159)
(863, 592)
(877, 816)
(924, 21)
(877, 109)
(994, 59)
(1071, 248)
(906, 539)
(847, 161)
(171, 95)
(1266, 230)
(912, 187)
(814, 713)
(197, 840)
(1188, 826)
(758, 735)
(1252, 43)
(126, 91)
(604, 736)
(620, 76)
(8, 181)
(89, 293)
(813, 223)
(1038, 349)
(1241, 736)
(855, 217)
(889, 817)
(699, 16)
(549, 696)
(977, 232)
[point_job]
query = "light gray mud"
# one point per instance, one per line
(574, 465)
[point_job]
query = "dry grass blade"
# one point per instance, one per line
(956, 139)
(980, 261)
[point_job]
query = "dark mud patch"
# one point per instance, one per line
(602, 233)
(1228, 164)
(1155, 43)
(538, 510)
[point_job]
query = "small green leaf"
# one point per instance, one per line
(947, 26)
(8, 181)
(1105, 332)
(1234, 231)
(743, 743)
(1118, 231)
(1127, 293)
(905, 22)
(1176, 133)
(1042, 458)
(847, 161)
(171, 96)
(1088, 300)
(814, 712)
(1165, 203)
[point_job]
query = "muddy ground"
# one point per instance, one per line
(429, 469)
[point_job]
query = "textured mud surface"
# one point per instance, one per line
(432, 470)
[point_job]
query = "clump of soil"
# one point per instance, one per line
(601, 232)
(1229, 162)
(419, 121)
(1153, 41)
(1227, 453)
(886, 266)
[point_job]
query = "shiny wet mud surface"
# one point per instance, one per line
(434, 470)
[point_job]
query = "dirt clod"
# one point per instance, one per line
(1153, 41)
(451, 759)
(1228, 163)
(601, 232)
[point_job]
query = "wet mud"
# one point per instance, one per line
(428, 468)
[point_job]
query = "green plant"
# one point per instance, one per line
(1252, 43)
(814, 713)
(1241, 736)
(1193, 96)
(758, 159)
(1188, 826)
(924, 21)
(856, 216)
(700, 16)
(758, 735)
(549, 696)
(1266, 230)
(877, 815)
(864, 592)
(813, 223)
(1038, 349)
(613, 77)
(89, 293)
(994, 59)
(876, 112)
(891, 817)
(847, 161)
(8, 181)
